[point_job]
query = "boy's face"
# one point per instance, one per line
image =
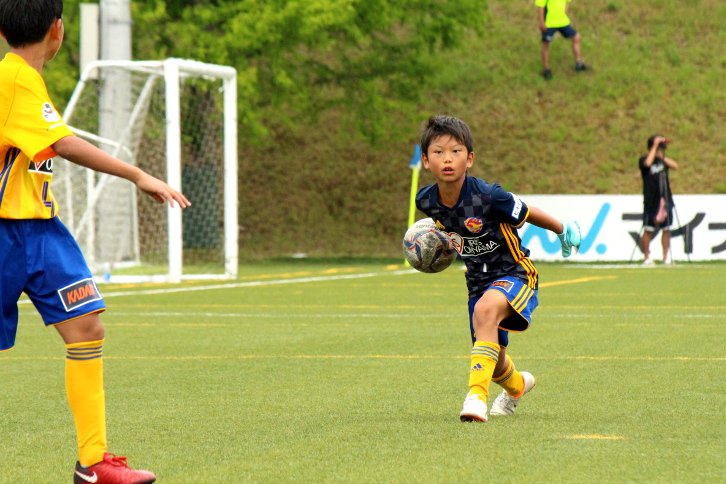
(448, 159)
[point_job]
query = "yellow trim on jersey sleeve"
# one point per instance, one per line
(526, 216)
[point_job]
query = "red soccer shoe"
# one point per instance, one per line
(111, 470)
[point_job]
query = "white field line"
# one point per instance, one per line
(249, 284)
(378, 357)
(427, 315)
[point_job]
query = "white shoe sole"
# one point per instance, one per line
(471, 418)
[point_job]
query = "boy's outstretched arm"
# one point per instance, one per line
(567, 232)
(542, 219)
(83, 153)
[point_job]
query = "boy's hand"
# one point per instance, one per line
(570, 238)
(160, 191)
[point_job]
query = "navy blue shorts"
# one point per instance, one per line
(567, 32)
(41, 258)
(520, 296)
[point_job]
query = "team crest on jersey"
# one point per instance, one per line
(79, 293)
(474, 224)
(472, 246)
(44, 167)
(49, 113)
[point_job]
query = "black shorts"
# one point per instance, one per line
(649, 223)
(567, 32)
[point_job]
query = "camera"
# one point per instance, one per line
(662, 144)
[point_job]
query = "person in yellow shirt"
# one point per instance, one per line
(38, 254)
(553, 18)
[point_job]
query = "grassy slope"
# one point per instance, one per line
(361, 380)
(655, 68)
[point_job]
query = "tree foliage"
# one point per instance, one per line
(296, 58)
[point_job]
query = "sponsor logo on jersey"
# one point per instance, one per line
(44, 167)
(517, 206)
(79, 293)
(472, 246)
(474, 224)
(506, 285)
(54, 126)
(49, 113)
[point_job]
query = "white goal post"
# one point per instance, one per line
(177, 120)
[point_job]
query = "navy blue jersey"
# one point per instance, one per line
(655, 183)
(483, 225)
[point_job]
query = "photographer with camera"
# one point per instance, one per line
(657, 196)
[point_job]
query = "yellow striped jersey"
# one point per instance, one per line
(29, 125)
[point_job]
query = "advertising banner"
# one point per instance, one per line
(611, 226)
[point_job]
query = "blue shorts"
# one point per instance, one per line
(567, 32)
(520, 296)
(41, 258)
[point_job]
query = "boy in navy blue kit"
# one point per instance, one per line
(483, 219)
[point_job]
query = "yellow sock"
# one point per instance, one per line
(84, 386)
(484, 357)
(511, 380)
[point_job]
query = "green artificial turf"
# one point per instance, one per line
(362, 379)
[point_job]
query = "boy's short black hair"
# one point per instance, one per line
(440, 125)
(26, 22)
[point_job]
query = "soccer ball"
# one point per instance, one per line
(427, 248)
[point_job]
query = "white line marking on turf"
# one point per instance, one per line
(251, 284)
(285, 316)
(391, 357)
(259, 283)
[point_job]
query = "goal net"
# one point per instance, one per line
(177, 120)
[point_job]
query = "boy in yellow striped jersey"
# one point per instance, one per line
(38, 254)
(482, 220)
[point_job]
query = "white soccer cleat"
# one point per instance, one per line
(474, 409)
(506, 404)
(648, 262)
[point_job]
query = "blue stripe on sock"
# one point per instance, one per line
(485, 350)
(84, 352)
(85, 358)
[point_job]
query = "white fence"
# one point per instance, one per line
(611, 225)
